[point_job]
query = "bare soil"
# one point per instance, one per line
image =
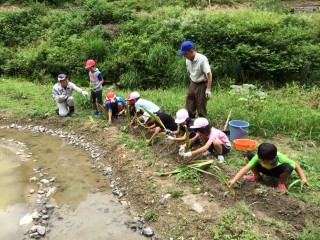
(181, 217)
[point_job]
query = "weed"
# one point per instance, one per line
(202, 226)
(151, 215)
(151, 164)
(185, 221)
(236, 223)
(177, 194)
(151, 186)
(196, 190)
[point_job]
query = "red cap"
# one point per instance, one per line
(110, 96)
(90, 63)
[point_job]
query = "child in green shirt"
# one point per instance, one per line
(271, 163)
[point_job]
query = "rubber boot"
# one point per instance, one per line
(71, 112)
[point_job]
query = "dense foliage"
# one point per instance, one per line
(135, 43)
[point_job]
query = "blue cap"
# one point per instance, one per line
(62, 77)
(185, 47)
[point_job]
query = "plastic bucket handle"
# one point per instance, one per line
(243, 130)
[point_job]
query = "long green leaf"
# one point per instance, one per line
(296, 182)
(188, 142)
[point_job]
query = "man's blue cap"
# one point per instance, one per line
(62, 77)
(185, 47)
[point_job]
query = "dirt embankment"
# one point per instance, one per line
(200, 207)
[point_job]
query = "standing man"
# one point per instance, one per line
(62, 94)
(199, 91)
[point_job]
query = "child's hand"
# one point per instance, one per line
(305, 182)
(181, 149)
(231, 183)
(187, 154)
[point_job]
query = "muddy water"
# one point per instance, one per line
(83, 213)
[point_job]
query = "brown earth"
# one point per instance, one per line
(193, 215)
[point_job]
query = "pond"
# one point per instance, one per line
(83, 210)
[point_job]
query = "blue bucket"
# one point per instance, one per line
(238, 129)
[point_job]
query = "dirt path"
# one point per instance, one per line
(193, 209)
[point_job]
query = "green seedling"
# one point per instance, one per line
(296, 182)
(221, 175)
(188, 142)
(184, 170)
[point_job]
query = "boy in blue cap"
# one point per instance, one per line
(201, 80)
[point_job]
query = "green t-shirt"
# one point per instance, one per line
(280, 159)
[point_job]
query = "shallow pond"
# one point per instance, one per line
(83, 212)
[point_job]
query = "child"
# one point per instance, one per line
(62, 94)
(215, 140)
(96, 81)
(116, 105)
(141, 105)
(271, 163)
(167, 121)
(182, 118)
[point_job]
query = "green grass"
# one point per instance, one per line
(236, 223)
(291, 110)
(288, 117)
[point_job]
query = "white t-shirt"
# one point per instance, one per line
(198, 68)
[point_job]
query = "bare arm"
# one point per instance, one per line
(183, 138)
(301, 174)
(239, 175)
(110, 115)
(156, 132)
(209, 84)
(202, 149)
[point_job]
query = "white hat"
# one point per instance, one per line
(182, 115)
(134, 95)
(200, 123)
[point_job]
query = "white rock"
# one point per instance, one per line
(26, 219)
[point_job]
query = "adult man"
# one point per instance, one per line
(201, 79)
(62, 94)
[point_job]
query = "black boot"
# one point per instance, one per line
(71, 112)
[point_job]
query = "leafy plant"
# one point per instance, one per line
(184, 172)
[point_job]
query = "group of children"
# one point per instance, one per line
(267, 161)
(204, 138)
